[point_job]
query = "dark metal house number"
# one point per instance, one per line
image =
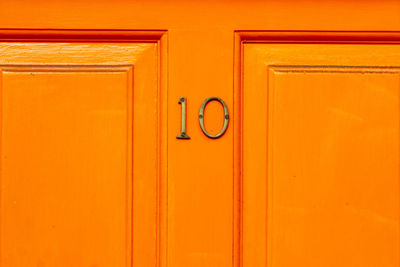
(183, 102)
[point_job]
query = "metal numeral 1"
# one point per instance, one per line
(226, 117)
(183, 134)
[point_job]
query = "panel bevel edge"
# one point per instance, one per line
(237, 205)
(1, 150)
(81, 35)
(69, 68)
(129, 36)
(129, 165)
(319, 37)
(242, 37)
(162, 151)
(334, 69)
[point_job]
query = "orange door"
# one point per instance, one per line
(93, 95)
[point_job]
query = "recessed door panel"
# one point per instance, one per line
(321, 156)
(78, 155)
(66, 168)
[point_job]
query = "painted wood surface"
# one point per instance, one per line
(193, 204)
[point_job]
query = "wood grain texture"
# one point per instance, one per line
(203, 178)
(70, 109)
(329, 133)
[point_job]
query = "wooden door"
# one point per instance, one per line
(92, 172)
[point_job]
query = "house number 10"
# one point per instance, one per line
(183, 103)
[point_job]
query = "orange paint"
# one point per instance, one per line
(92, 173)
(79, 154)
(330, 118)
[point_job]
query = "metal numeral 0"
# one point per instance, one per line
(183, 134)
(226, 117)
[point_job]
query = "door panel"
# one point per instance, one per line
(78, 154)
(320, 155)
